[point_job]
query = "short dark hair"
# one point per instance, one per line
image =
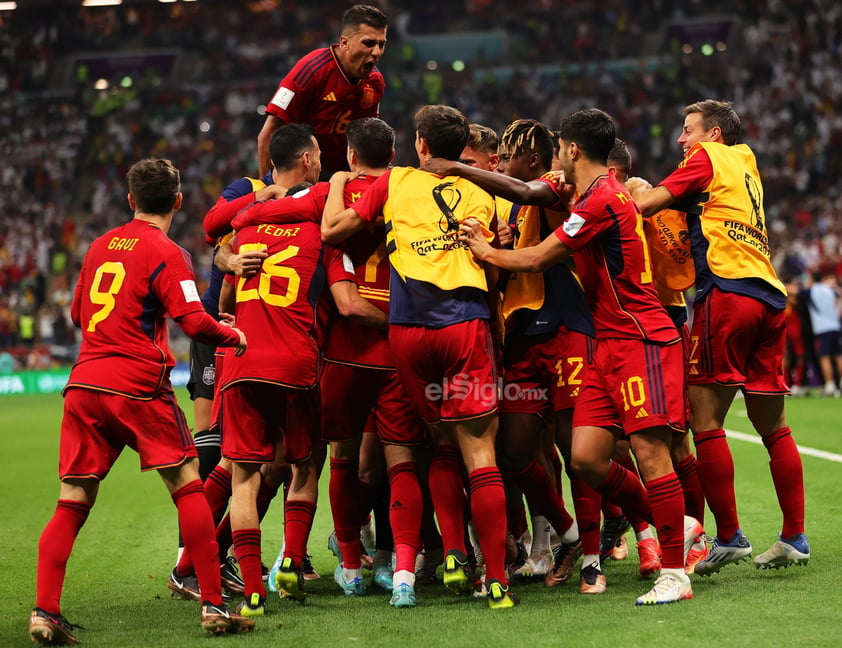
(620, 155)
(718, 113)
(529, 136)
(482, 138)
(373, 140)
(155, 184)
(363, 15)
(593, 131)
(288, 143)
(301, 186)
(444, 128)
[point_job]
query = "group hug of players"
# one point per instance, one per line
(457, 327)
(472, 337)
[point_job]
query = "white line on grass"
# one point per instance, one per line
(804, 450)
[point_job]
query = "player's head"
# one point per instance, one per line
(619, 161)
(586, 135)
(709, 121)
(444, 129)
(372, 141)
(481, 149)
(154, 186)
(294, 145)
(526, 149)
(362, 41)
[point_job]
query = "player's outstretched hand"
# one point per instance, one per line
(247, 263)
(240, 349)
(440, 166)
(636, 185)
(342, 178)
(270, 192)
(472, 234)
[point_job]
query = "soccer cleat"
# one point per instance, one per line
(591, 580)
(51, 629)
(308, 572)
(218, 619)
(698, 552)
(230, 576)
(333, 545)
(354, 587)
(499, 596)
(621, 549)
(669, 587)
(613, 529)
(649, 552)
(565, 556)
(381, 576)
(426, 564)
(724, 553)
(535, 567)
(403, 596)
(184, 587)
(456, 576)
(290, 582)
(792, 551)
(254, 605)
(693, 532)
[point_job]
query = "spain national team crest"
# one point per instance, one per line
(208, 375)
(367, 100)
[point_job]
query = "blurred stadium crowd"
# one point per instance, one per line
(65, 143)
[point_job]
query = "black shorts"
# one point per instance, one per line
(202, 373)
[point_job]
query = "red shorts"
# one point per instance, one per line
(257, 416)
(449, 372)
(97, 426)
(543, 374)
(738, 341)
(350, 393)
(634, 385)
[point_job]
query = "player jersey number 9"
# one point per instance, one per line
(105, 298)
(272, 267)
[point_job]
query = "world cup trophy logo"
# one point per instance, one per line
(447, 198)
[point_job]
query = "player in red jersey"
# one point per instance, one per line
(439, 335)
(119, 392)
(330, 87)
(636, 380)
(360, 376)
(738, 336)
(294, 161)
(672, 271)
(546, 345)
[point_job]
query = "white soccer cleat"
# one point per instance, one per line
(670, 587)
(793, 551)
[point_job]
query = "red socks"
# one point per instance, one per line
(247, 550)
(447, 490)
(197, 529)
(716, 472)
(405, 506)
(54, 549)
(667, 502)
(488, 513)
(788, 477)
(298, 520)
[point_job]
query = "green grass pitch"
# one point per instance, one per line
(116, 582)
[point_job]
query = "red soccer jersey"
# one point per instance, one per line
(347, 341)
(275, 307)
(317, 92)
(605, 231)
(132, 277)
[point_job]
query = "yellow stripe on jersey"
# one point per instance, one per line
(732, 219)
(373, 293)
(423, 213)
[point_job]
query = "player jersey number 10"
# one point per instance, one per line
(272, 267)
